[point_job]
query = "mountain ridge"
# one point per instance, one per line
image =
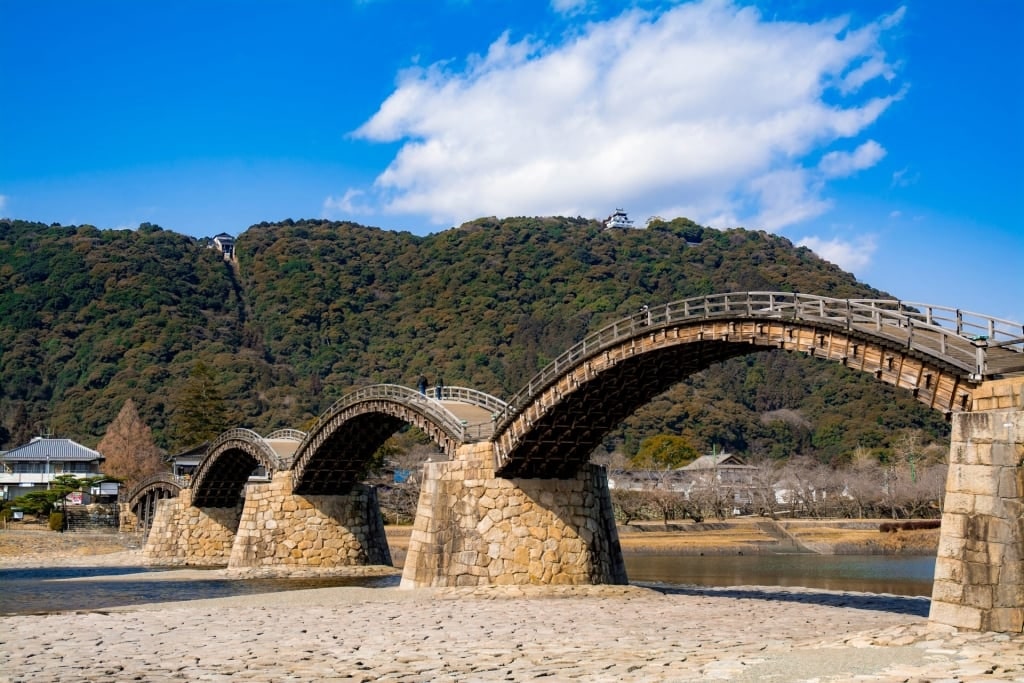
(314, 308)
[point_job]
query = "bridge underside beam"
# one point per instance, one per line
(581, 413)
(223, 484)
(339, 459)
(138, 513)
(474, 528)
(564, 423)
(281, 528)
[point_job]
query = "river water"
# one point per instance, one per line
(899, 575)
(35, 591)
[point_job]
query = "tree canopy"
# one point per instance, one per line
(313, 309)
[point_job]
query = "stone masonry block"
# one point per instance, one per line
(1006, 620)
(960, 503)
(948, 569)
(981, 480)
(1011, 482)
(957, 615)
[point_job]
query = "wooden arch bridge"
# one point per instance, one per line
(957, 362)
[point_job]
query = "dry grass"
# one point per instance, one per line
(37, 540)
(749, 535)
(829, 538)
(693, 541)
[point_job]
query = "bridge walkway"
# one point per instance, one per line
(285, 448)
(998, 360)
(478, 422)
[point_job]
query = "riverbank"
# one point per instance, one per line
(20, 544)
(593, 633)
(753, 535)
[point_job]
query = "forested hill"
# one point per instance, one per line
(311, 309)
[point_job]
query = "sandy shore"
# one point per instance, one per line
(589, 633)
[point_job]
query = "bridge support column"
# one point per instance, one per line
(128, 521)
(279, 528)
(183, 534)
(979, 572)
(473, 528)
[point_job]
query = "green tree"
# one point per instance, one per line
(63, 485)
(665, 452)
(201, 413)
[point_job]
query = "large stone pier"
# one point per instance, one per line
(279, 527)
(979, 572)
(183, 534)
(473, 528)
(274, 527)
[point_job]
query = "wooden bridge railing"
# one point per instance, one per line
(286, 434)
(960, 338)
(398, 394)
(472, 397)
(157, 478)
(278, 463)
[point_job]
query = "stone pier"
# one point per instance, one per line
(183, 534)
(473, 528)
(979, 572)
(279, 528)
(128, 521)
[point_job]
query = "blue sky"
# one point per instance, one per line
(886, 136)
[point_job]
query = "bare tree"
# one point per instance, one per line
(764, 484)
(666, 501)
(630, 503)
(810, 485)
(400, 496)
(922, 495)
(128, 447)
(862, 482)
(709, 496)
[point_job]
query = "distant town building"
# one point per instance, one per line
(32, 466)
(724, 468)
(619, 219)
(185, 464)
(225, 244)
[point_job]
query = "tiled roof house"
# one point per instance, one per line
(33, 466)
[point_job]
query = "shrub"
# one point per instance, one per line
(56, 521)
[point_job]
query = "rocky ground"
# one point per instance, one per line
(592, 633)
(35, 545)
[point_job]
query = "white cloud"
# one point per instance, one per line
(568, 6)
(3, 202)
(347, 204)
(786, 197)
(905, 177)
(843, 164)
(706, 105)
(851, 256)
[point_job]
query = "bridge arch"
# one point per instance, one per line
(337, 450)
(230, 460)
(142, 498)
(941, 355)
